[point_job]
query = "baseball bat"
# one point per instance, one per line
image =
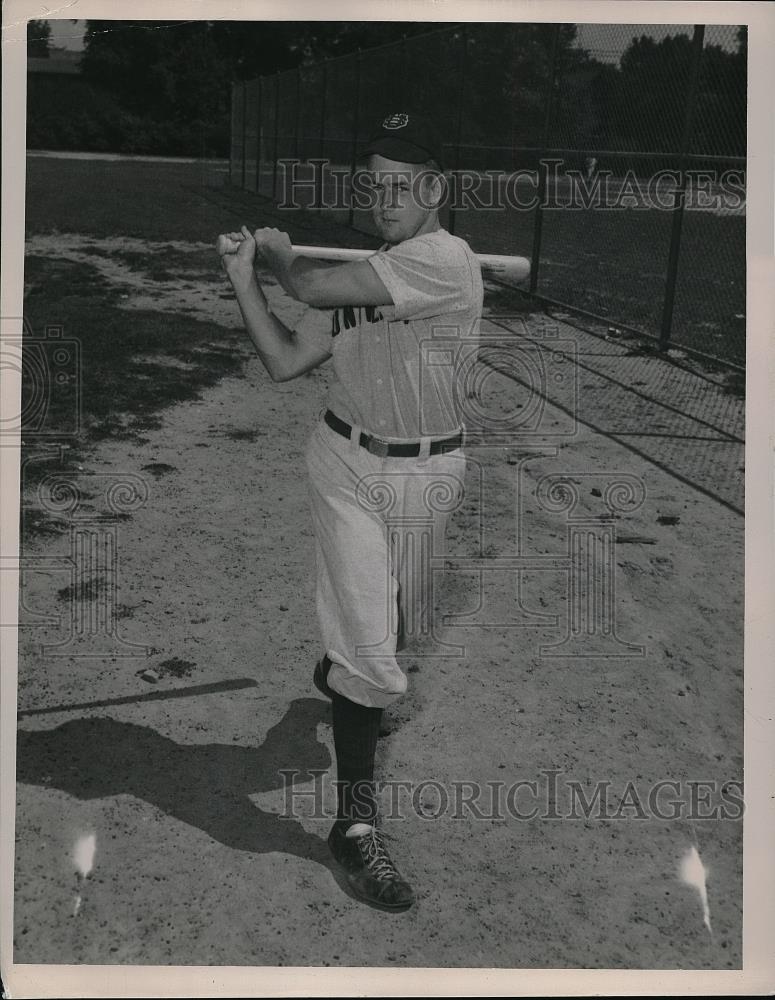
(500, 266)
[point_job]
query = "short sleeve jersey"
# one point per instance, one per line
(396, 367)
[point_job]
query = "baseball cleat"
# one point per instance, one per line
(370, 871)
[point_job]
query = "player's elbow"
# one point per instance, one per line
(284, 369)
(284, 376)
(280, 372)
(276, 366)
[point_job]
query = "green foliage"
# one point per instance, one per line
(165, 72)
(259, 48)
(166, 88)
(38, 39)
(72, 114)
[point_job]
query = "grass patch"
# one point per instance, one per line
(502, 299)
(614, 264)
(609, 262)
(159, 469)
(62, 294)
(128, 369)
(152, 201)
(124, 374)
(175, 667)
(59, 281)
(171, 264)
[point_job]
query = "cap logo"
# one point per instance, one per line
(396, 121)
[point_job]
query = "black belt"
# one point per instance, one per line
(386, 449)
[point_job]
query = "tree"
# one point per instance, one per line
(38, 39)
(260, 48)
(647, 106)
(242, 49)
(177, 76)
(741, 36)
(647, 111)
(508, 73)
(163, 72)
(720, 114)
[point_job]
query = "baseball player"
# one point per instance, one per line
(390, 436)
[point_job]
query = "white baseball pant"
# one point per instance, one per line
(378, 524)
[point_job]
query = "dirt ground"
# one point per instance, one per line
(176, 772)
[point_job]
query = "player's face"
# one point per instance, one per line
(404, 199)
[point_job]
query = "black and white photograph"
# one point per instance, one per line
(385, 590)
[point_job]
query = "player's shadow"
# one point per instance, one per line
(204, 785)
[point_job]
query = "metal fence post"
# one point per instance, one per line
(276, 131)
(319, 177)
(231, 133)
(535, 259)
(244, 128)
(259, 130)
(356, 125)
(296, 113)
(403, 70)
(679, 199)
(461, 70)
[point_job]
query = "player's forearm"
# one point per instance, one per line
(274, 342)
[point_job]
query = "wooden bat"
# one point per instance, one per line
(500, 266)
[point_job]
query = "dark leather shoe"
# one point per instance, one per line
(320, 677)
(372, 875)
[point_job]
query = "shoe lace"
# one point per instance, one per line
(375, 855)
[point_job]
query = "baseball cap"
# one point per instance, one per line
(407, 138)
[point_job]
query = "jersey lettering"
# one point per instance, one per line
(348, 317)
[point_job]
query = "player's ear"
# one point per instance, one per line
(431, 188)
(438, 188)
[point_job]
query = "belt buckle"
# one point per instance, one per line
(377, 447)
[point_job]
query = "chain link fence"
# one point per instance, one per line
(611, 155)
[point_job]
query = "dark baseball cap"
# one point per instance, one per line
(407, 138)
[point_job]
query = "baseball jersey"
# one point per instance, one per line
(395, 366)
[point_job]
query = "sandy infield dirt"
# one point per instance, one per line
(175, 774)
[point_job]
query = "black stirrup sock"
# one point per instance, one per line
(356, 728)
